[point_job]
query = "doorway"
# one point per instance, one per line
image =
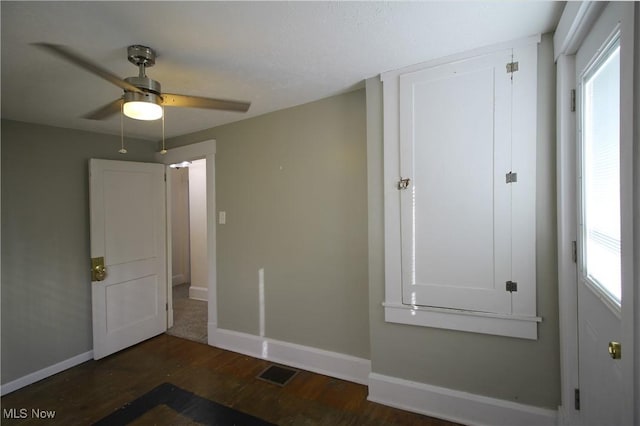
(189, 285)
(201, 150)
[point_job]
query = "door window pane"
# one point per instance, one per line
(601, 173)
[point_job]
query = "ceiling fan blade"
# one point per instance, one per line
(173, 100)
(73, 57)
(105, 111)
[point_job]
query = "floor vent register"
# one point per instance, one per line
(277, 375)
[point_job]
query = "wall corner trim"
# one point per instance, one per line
(453, 405)
(334, 364)
(45, 372)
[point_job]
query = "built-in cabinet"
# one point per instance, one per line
(460, 172)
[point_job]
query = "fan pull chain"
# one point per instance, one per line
(164, 150)
(122, 149)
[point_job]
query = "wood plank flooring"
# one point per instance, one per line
(88, 392)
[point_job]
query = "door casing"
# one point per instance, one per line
(206, 150)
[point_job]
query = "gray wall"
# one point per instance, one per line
(293, 185)
(501, 367)
(46, 298)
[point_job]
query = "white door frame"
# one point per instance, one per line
(576, 20)
(206, 150)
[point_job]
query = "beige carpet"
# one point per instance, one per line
(189, 316)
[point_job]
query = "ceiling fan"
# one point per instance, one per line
(143, 98)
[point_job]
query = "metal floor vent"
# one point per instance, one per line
(277, 375)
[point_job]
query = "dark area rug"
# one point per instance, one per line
(185, 404)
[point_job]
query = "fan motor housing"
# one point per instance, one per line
(142, 97)
(138, 54)
(145, 83)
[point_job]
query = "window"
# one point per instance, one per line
(600, 161)
(460, 148)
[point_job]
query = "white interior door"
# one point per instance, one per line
(601, 227)
(128, 224)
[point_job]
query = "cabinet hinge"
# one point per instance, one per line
(403, 183)
(512, 286)
(573, 100)
(574, 251)
(512, 67)
(511, 177)
(576, 399)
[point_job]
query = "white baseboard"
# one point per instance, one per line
(566, 417)
(45, 372)
(457, 406)
(177, 280)
(198, 293)
(329, 363)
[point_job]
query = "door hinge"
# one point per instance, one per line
(166, 307)
(576, 399)
(574, 251)
(512, 286)
(511, 177)
(573, 100)
(403, 183)
(512, 67)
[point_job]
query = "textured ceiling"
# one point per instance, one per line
(273, 54)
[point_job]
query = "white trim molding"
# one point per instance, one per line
(566, 220)
(453, 405)
(319, 361)
(196, 151)
(577, 17)
(45, 372)
(177, 279)
(198, 293)
(522, 326)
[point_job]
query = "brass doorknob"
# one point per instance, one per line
(615, 350)
(98, 271)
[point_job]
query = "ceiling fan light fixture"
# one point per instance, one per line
(180, 165)
(143, 97)
(142, 106)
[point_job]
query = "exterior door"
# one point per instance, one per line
(128, 250)
(600, 221)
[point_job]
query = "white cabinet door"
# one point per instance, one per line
(128, 230)
(461, 220)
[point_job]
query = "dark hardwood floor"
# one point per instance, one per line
(91, 391)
